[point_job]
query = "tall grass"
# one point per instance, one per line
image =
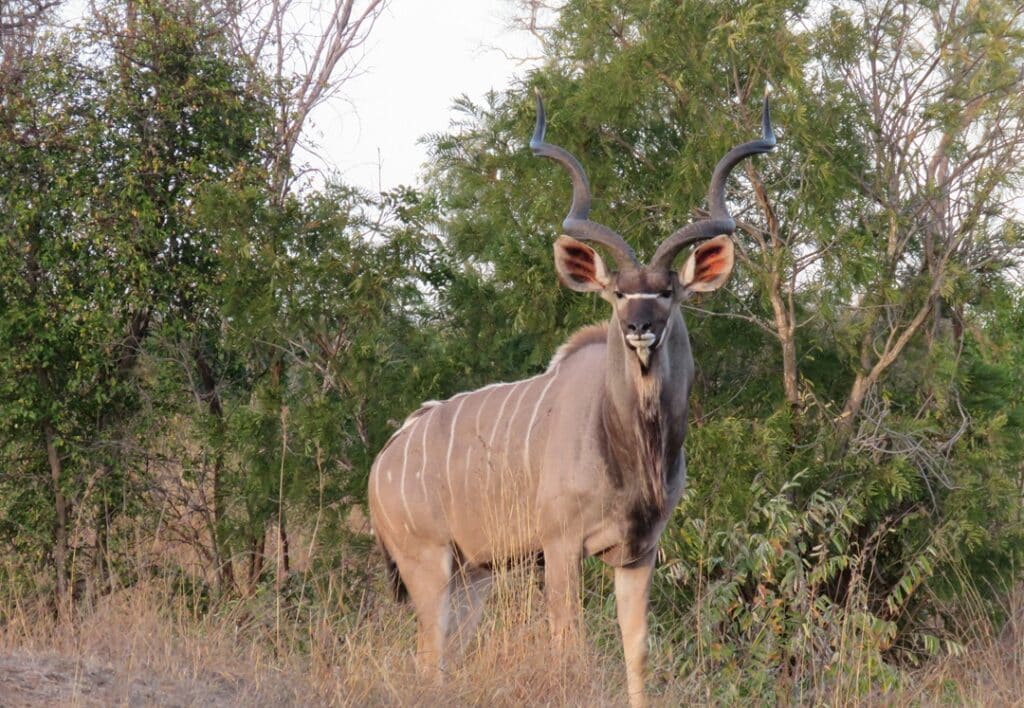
(336, 637)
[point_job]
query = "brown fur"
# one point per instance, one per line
(638, 449)
(636, 463)
(583, 337)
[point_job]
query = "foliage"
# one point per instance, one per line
(197, 366)
(102, 163)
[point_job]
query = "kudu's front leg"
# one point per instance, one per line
(562, 589)
(632, 590)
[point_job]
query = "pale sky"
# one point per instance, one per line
(420, 56)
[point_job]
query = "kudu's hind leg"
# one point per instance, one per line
(426, 573)
(472, 585)
(632, 590)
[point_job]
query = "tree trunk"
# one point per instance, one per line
(60, 530)
(101, 560)
(858, 391)
(782, 304)
(257, 556)
(282, 539)
(869, 375)
(282, 535)
(208, 394)
(225, 572)
(784, 329)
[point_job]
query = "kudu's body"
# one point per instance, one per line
(584, 459)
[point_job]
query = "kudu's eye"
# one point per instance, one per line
(666, 293)
(618, 295)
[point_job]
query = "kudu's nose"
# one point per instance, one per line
(639, 327)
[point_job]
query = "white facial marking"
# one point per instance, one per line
(640, 296)
(642, 345)
(643, 354)
(642, 341)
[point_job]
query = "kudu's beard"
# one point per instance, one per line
(643, 345)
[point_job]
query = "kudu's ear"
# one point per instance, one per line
(709, 266)
(578, 266)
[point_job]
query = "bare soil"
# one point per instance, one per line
(51, 680)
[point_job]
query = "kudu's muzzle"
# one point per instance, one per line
(643, 329)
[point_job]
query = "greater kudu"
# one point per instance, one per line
(584, 459)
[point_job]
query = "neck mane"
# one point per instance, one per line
(643, 414)
(643, 419)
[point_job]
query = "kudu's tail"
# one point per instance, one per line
(398, 589)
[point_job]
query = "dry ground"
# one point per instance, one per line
(127, 652)
(36, 679)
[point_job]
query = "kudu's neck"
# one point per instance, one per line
(644, 417)
(662, 389)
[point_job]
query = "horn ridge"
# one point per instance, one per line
(716, 190)
(720, 221)
(576, 223)
(580, 184)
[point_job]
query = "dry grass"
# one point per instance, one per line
(128, 649)
(146, 645)
(149, 645)
(990, 672)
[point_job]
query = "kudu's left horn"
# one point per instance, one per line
(719, 222)
(576, 224)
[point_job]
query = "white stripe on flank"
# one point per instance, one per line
(380, 501)
(405, 462)
(423, 442)
(480, 409)
(478, 436)
(511, 419)
(533, 419)
(497, 422)
(448, 457)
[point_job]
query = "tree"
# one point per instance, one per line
(322, 343)
(102, 240)
(298, 55)
(945, 149)
(307, 51)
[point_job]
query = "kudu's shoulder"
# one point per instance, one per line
(583, 337)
